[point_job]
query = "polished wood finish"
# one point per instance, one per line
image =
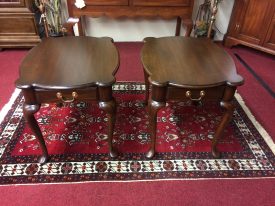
(107, 2)
(68, 69)
(181, 9)
(69, 62)
(252, 24)
(179, 61)
(29, 109)
(4, 3)
(161, 3)
(182, 69)
(18, 27)
(270, 38)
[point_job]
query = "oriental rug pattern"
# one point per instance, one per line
(76, 140)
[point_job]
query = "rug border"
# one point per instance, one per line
(238, 97)
(257, 125)
(8, 105)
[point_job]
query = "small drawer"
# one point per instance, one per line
(213, 93)
(25, 25)
(107, 2)
(47, 96)
(161, 3)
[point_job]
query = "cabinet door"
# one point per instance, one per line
(253, 19)
(270, 38)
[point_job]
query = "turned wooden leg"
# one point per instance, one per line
(153, 108)
(178, 27)
(80, 26)
(147, 85)
(158, 101)
(110, 108)
(229, 109)
(29, 111)
(189, 26)
(225, 120)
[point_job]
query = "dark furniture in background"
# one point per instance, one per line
(180, 9)
(181, 68)
(68, 69)
(17, 24)
(253, 24)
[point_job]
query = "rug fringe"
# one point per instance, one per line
(258, 126)
(8, 106)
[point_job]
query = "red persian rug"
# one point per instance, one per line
(76, 140)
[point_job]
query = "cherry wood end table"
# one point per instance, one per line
(180, 68)
(68, 69)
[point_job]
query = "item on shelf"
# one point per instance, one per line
(51, 17)
(205, 19)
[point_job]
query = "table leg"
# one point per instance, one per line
(80, 26)
(147, 85)
(107, 103)
(229, 109)
(155, 104)
(110, 109)
(153, 108)
(29, 111)
(189, 26)
(178, 27)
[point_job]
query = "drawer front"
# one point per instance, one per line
(214, 93)
(17, 25)
(12, 3)
(46, 96)
(107, 2)
(161, 2)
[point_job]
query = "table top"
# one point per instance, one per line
(69, 62)
(188, 62)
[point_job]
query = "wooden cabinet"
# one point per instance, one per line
(270, 38)
(17, 24)
(252, 24)
(180, 9)
(161, 3)
(106, 2)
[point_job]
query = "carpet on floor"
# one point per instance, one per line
(9, 64)
(260, 65)
(76, 139)
(255, 96)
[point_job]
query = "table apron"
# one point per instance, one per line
(48, 96)
(212, 93)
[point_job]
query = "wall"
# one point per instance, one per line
(125, 29)
(223, 17)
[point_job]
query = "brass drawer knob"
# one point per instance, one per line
(188, 94)
(60, 97)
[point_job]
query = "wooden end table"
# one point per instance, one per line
(66, 69)
(180, 68)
